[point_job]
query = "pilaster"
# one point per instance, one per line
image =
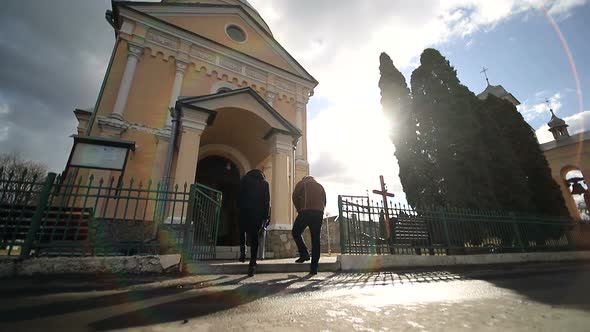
(135, 52)
(281, 150)
(181, 67)
(193, 124)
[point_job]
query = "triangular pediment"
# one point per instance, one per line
(209, 21)
(246, 99)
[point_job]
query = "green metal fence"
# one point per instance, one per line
(366, 229)
(87, 216)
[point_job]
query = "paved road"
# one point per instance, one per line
(538, 299)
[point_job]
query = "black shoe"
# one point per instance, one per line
(313, 272)
(242, 257)
(302, 259)
(251, 270)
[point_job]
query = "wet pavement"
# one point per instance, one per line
(537, 298)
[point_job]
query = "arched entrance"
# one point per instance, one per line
(222, 174)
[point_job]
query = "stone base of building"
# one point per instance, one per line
(280, 242)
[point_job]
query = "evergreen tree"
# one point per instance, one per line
(450, 128)
(455, 150)
(396, 101)
(545, 194)
(509, 182)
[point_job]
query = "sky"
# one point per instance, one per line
(54, 55)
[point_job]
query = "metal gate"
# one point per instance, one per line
(202, 223)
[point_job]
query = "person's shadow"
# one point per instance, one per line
(193, 307)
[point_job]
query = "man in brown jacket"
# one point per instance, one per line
(309, 199)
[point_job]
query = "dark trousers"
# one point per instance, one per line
(313, 220)
(249, 227)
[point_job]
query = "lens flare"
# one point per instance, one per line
(574, 70)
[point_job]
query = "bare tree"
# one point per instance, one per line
(20, 179)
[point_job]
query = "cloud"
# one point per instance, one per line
(539, 107)
(4, 133)
(49, 67)
(577, 123)
(564, 7)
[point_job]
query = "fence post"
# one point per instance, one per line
(189, 218)
(517, 232)
(341, 222)
(40, 206)
(446, 229)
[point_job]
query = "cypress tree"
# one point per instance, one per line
(448, 121)
(396, 101)
(509, 182)
(544, 192)
(455, 150)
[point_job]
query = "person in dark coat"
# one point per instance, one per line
(253, 204)
(309, 199)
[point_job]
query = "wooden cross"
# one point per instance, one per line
(384, 194)
(485, 73)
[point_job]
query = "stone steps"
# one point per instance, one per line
(233, 253)
(327, 264)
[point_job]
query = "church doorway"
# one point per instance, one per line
(222, 174)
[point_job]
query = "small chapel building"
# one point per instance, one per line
(569, 159)
(241, 100)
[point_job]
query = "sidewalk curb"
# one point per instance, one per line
(144, 265)
(369, 263)
(133, 265)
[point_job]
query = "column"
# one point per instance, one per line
(133, 57)
(193, 124)
(282, 149)
(181, 67)
(299, 123)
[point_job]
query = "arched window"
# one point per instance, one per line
(580, 192)
(223, 89)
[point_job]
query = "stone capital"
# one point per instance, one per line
(181, 66)
(135, 50)
(282, 144)
(194, 120)
(304, 99)
(300, 107)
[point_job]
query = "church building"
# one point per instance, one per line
(240, 99)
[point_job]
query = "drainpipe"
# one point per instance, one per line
(175, 112)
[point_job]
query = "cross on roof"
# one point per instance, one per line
(548, 102)
(485, 73)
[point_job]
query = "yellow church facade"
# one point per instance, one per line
(240, 99)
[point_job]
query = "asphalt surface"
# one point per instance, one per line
(536, 298)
